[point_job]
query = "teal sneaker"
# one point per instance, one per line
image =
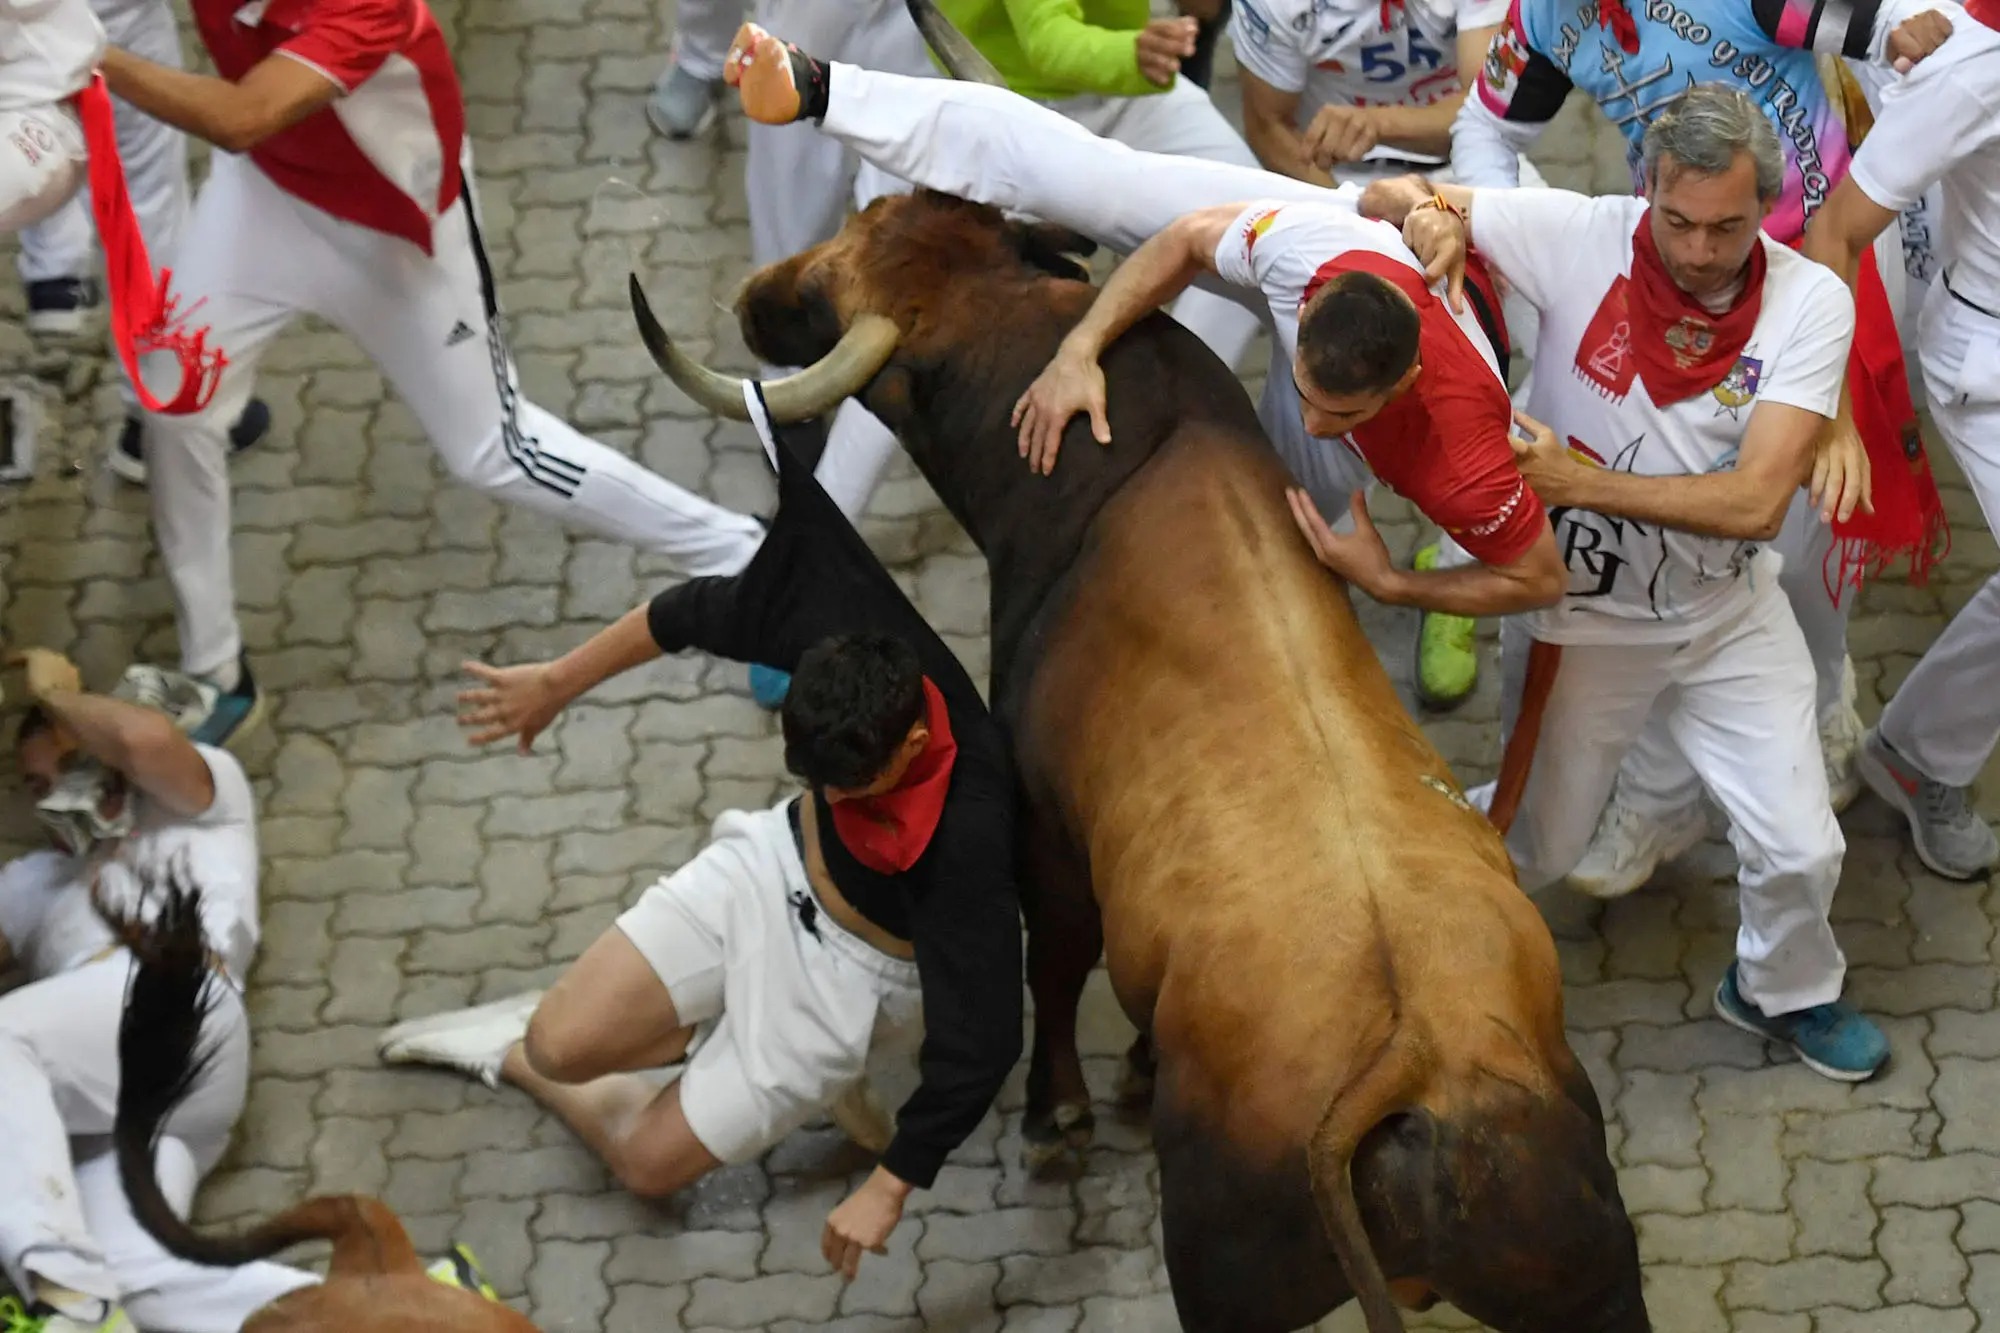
(1447, 650)
(459, 1269)
(769, 686)
(1832, 1039)
(235, 712)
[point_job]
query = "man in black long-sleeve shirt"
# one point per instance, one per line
(799, 932)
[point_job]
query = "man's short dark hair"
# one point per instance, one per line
(1358, 335)
(34, 721)
(853, 699)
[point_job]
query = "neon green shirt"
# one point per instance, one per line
(1052, 49)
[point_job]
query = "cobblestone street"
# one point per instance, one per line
(407, 873)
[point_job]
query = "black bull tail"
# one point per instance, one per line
(160, 1060)
(1384, 1087)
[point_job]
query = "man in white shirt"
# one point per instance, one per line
(127, 800)
(48, 49)
(1941, 125)
(1691, 364)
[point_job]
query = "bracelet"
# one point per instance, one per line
(1443, 205)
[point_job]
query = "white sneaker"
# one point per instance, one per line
(1840, 735)
(472, 1041)
(1628, 847)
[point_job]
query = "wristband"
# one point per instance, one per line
(1443, 205)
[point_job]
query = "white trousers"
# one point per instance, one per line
(703, 30)
(1946, 717)
(42, 164)
(256, 258)
(154, 156)
(1739, 702)
(66, 1219)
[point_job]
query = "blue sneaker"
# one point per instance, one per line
(234, 712)
(769, 686)
(1832, 1039)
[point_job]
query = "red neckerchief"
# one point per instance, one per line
(1612, 14)
(1986, 11)
(1648, 327)
(890, 833)
(143, 316)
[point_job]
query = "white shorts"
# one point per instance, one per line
(784, 1014)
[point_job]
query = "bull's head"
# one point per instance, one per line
(924, 273)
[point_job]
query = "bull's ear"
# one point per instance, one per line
(1050, 248)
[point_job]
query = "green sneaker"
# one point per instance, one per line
(14, 1317)
(1447, 652)
(18, 1318)
(457, 1269)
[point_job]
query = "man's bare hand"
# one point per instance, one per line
(1916, 37)
(1361, 557)
(1543, 459)
(863, 1222)
(1437, 238)
(1339, 134)
(1069, 384)
(1163, 44)
(515, 701)
(1841, 478)
(48, 672)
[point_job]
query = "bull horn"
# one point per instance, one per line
(813, 392)
(960, 58)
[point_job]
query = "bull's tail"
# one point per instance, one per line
(160, 1060)
(1388, 1083)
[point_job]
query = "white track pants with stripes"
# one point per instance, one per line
(255, 258)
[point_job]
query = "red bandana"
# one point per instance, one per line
(1646, 326)
(143, 316)
(889, 833)
(1612, 14)
(1986, 11)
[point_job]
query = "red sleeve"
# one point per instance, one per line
(1482, 500)
(348, 40)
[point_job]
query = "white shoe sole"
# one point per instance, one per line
(1723, 1012)
(59, 323)
(1883, 783)
(1632, 881)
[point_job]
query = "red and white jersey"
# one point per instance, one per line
(1358, 52)
(1443, 444)
(1635, 582)
(1941, 123)
(48, 51)
(386, 154)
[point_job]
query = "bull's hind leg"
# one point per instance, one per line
(1065, 938)
(1136, 1078)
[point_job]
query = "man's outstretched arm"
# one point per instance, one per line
(1154, 274)
(275, 95)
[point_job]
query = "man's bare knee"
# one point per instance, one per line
(559, 1046)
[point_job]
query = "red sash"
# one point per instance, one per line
(144, 317)
(890, 833)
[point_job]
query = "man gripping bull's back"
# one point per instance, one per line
(1371, 370)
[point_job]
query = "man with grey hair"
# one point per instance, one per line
(1689, 365)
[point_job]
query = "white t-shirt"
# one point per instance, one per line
(1941, 122)
(45, 909)
(1340, 52)
(1636, 582)
(48, 49)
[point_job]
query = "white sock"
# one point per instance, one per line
(227, 676)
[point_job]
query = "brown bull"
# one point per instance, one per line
(375, 1282)
(1363, 1086)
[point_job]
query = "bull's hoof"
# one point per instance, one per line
(1049, 1141)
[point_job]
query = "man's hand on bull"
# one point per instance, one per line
(1340, 134)
(515, 701)
(1071, 383)
(1361, 556)
(1162, 45)
(863, 1222)
(1916, 37)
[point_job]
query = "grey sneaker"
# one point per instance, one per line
(1949, 837)
(682, 105)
